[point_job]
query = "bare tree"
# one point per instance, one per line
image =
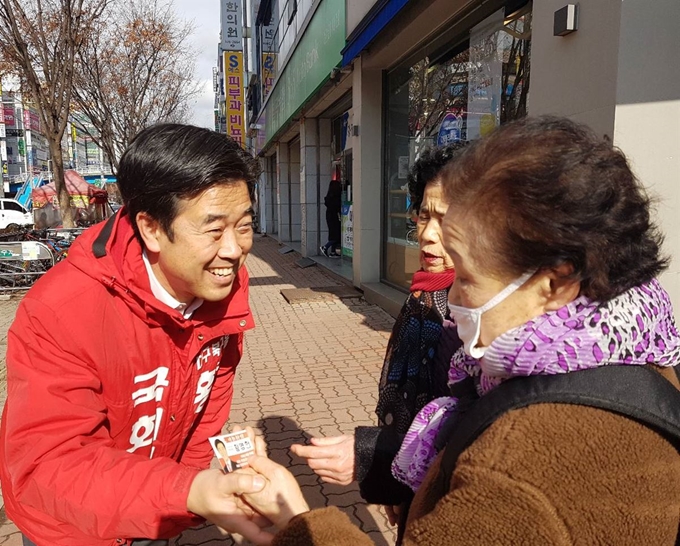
(434, 91)
(516, 67)
(136, 70)
(39, 40)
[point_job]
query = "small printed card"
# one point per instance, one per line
(232, 450)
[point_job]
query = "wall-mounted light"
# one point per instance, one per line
(565, 20)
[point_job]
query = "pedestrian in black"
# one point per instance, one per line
(333, 202)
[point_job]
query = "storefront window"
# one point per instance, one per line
(462, 95)
(342, 171)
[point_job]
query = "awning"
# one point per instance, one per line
(369, 28)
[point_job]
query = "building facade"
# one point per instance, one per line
(24, 148)
(25, 151)
(354, 90)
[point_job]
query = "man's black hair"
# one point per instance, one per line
(169, 162)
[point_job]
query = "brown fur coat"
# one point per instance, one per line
(552, 474)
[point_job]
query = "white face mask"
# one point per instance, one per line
(469, 321)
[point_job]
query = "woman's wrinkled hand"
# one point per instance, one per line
(331, 458)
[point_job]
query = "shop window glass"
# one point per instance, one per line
(480, 84)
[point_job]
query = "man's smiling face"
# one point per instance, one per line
(211, 236)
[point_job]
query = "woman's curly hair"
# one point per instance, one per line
(542, 192)
(428, 167)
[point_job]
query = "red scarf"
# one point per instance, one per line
(431, 282)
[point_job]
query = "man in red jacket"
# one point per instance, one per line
(121, 359)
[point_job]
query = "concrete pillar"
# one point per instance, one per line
(283, 191)
(366, 171)
(272, 196)
(262, 201)
(309, 185)
(295, 212)
(269, 198)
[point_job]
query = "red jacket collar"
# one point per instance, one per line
(110, 253)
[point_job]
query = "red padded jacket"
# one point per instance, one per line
(112, 396)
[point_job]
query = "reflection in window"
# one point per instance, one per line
(462, 94)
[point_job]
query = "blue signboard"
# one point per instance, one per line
(449, 130)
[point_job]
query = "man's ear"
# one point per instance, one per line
(561, 288)
(150, 230)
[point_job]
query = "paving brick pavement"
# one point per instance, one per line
(308, 369)
(9, 534)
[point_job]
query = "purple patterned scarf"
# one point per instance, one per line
(635, 328)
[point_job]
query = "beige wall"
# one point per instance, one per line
(575, 75)
(620, 74)
(356, 10)
(647, 125)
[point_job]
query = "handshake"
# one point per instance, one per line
(265, 494)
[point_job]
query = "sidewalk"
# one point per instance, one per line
(308, 369)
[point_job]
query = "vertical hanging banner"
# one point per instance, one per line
(233, 90)
(268, 73)
(3, 145)
(8, 115)
(269, 52)
(231, 15)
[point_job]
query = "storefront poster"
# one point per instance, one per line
(403, 166)
(233, 89)
(347, 230)
(485, 77)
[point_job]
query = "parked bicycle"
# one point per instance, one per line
(27, 253)
(22, 263)
(58, 245)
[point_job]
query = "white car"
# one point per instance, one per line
(12, 212)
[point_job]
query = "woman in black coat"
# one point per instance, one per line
(333, 202)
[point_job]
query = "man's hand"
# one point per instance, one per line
(281, 499)
(215, 496)
(331, 458)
